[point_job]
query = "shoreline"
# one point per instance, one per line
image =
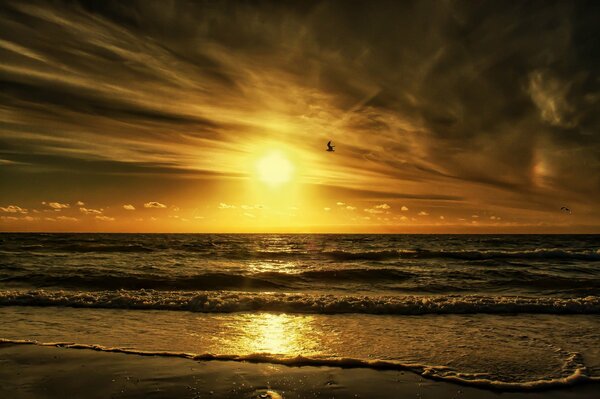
(53, 371)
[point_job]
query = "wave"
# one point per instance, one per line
(440, 373)
(193, 282)
(243, 249)
(227, 302)
(546, 253)
(205, 281)
(359, 274)
(83, 248)
(541, 253)
(368, 255)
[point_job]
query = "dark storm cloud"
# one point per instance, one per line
(491, 95)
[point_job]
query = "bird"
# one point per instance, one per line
(330, 148)
(565, 209)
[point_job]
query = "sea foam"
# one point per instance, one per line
(233, 301)
(578, 375)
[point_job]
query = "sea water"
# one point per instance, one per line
(502, 311)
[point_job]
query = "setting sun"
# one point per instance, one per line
(275, 169)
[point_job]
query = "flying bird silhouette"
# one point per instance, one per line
(565, 209)
(330, 148)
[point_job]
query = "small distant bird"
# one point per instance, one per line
(565, 209)
(330, 148)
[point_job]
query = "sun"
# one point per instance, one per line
(275, 169)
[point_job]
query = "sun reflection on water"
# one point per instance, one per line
(273, 266)
(279, 334)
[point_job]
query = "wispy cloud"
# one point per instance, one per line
(105, 218)
(13, 209)
(90, 211)
(57, 205)
(154, 204)
(67, 219)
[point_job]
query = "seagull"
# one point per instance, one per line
(330, 148)
(565, 209)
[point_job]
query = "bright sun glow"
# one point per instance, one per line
(275, 169)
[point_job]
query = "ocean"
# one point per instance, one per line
(508, 312)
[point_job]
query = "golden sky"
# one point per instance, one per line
(213, 116)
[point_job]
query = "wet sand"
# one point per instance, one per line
(31, 371)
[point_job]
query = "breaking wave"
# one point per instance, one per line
(573, 363)
(227, 302)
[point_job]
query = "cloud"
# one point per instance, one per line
(350, 208)
(340, 203)
(423, 213)
(382, 206)
(377, 209)
(474, 216)
(223, 205)
(57, 205)
(129, 207)
(67, 219)
(404, 209)
(442, 217)
(154, 204)
(326, 209)
(247, 207)
(550, 96)
(105, 218)
(249, 215)
(89, 211)
(13, 209)
(80, 203)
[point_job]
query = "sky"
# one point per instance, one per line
(214, 116)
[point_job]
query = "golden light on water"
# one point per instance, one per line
(279, 334)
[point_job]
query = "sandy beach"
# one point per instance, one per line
(31, 371)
